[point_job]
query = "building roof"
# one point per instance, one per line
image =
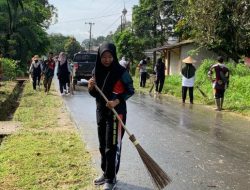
(170, 46)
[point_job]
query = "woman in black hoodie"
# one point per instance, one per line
(117, 85)
(160, 75)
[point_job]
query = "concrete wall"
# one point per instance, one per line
(180, 53)
(175, 61)
(202, 53)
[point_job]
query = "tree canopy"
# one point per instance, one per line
(23, 24)
(222, 26)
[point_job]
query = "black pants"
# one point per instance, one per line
(159, 84)
(110, 133)
(36, 80)
(62, 85)
(184, 94)
(219, 93)
(143, 79)
(63, 81)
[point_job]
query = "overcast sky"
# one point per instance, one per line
(72, 15)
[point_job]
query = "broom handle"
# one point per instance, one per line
(116, 114)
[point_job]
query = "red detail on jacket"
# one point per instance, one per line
(51, 64)
(119, 88)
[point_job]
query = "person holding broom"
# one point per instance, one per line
(219, 76)
(160, 75)
(117, 85)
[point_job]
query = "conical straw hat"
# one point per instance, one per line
(189, 60)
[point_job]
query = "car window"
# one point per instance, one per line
(85, 58)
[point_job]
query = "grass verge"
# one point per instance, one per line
(47, 153)
(236, 97)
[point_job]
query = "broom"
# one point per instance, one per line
(151, 88)
(71, 84)
(202, 93)
(153, 81)
(159, 178)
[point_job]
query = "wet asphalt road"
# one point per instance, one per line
(199, 148)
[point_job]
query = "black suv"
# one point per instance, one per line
(84, 63)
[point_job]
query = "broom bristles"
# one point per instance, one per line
(159, 177)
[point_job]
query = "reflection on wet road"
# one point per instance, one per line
(199, 148)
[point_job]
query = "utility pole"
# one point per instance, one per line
(90, 26)
(121, 23)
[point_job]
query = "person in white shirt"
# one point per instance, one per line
(143, 71)
(123, 62)
(188, 78)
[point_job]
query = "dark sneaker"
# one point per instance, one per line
(100, 180)
(109, 186)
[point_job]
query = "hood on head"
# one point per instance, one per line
(106, 47)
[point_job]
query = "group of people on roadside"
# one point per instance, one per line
(39, 68)
(218, 75)
(220, 80)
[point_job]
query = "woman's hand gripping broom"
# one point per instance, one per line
(159, 177)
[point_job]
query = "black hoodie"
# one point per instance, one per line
(188, 71)
(107, 77)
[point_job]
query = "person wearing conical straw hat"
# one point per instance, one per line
(188, 78)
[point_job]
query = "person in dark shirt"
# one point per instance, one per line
(219, 76)
(48, 71)
(160, 75)
(117, 85)
(63, 73)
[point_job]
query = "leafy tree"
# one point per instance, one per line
(109, 37)
(57, 43)
(153, 21)
(85, 43)
(94, 42)
(99, 40)
(222, 26)
(129, 46)
(23, 24)
(71, 47)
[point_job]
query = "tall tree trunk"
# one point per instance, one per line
(10, 18)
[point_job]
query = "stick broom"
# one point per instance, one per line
(159, 177)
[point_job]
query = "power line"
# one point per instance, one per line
(112, 7)
(112, 24)
(75, 20)
(90, 29)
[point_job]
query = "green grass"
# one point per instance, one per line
(236, 96)
(6, 89)
(42, 154)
